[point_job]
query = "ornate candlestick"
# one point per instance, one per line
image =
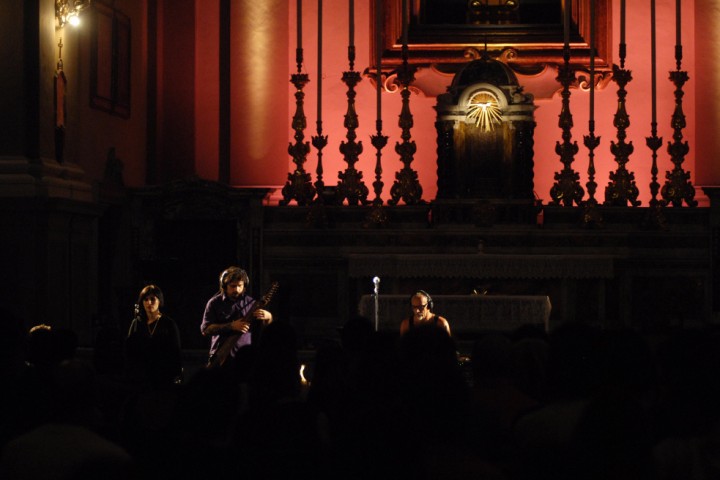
(317, 215)
(591, 215)
(566, 190)
(655, 217)
(319, 141)
(654, 143)
(351, 185)
(406, 186)
(677, 186)
(621, 189)
(298, 186)
(377, 215)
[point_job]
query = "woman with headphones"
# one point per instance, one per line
(422, 304)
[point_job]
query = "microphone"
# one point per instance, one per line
(376, 282)
(135, 320)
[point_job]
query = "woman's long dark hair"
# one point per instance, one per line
(147, 291)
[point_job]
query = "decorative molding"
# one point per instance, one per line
(526, 44)
(482, 266)
(540, 80)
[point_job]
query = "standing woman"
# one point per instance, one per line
(152, 347)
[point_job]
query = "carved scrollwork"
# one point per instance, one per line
(601, 80)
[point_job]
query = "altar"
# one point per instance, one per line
(468, 315)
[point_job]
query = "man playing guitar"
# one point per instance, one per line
(228, 315)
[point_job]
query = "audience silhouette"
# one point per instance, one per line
(577, 402)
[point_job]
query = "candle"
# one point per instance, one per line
(404, 23)
(319, 66)
(352, 23)
(653, 61)
(299, 24)
(677, 23)
(566, 25)
(592, 63)
(622, 22)
(378, 53)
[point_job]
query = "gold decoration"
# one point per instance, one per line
(484, 110)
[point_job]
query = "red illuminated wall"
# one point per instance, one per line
(207, 84)
(176, 133)
(547, 131)
(263, 41)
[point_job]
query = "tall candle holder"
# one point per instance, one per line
(621, 189)
(591, 214)
(655, 216)
(377, 215)
(406, 186)
(654, 143)
(319, 141)
(351, 186)
(567, 189)
(298, 186)
(678, 187)
(317, 215)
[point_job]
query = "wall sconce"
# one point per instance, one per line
(68, 11)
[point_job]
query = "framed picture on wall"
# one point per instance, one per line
(110, 61)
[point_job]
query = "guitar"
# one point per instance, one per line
(223, 352)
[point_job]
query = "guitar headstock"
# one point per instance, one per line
(269, 294)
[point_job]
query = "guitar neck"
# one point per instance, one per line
(257, 305)
(225, 349)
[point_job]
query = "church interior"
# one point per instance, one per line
(160, 142)
(536, 163)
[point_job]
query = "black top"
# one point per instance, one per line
(153, 353)
(411, 321)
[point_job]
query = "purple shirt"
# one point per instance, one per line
(223, 309)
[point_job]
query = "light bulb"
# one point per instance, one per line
(73, 19)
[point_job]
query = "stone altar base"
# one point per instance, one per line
(469, 315)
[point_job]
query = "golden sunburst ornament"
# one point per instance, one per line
(483, 109)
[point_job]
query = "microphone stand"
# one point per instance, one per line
(376, 290)
(135, 321)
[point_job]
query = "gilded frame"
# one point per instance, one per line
(522, 46)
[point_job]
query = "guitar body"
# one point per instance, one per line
(223, 352)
